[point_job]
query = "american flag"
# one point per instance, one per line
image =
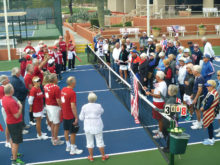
(134, 97)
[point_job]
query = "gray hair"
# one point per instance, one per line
(70, 80)
(52, 77)
(204, 39)
(173, 90)
(8, 88)
(29, 66)
(190, 66)
(143, 55)
(197, 68)
(14, 71)
(160, 74)
(161, 54)
(92, 97)
(3, 78)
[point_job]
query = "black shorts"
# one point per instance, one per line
(15, 131)
(107, 57)
(68, 126)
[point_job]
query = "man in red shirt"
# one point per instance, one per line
(53, 106)
(58, 61)
(13, 109)
(29, 46)
(4, 81)
(70, 117)
(29, 84)
(62, 45)
(71, 55)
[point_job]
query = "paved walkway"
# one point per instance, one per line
(78, 38)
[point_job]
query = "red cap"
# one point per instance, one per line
(45, 46)
(55, 47)
(70, 40)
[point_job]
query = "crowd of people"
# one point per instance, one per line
(164, 66)
(36, 82)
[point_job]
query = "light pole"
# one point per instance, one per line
(148, 18)
(6, 30)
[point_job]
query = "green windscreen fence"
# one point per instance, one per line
(43, 19)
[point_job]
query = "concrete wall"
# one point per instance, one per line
(112, 5)
(129, 5)
(208, 3)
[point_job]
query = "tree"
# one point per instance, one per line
(71, 6)
(100, 5)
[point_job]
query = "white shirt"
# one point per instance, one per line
(105, 48)
(116, 53)
(161, 88)
(208, 49)
(91, 114)
(182, 74)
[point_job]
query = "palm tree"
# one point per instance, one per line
(100, 5)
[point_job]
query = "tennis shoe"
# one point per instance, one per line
(27, 126)
(106, 157)
(8, 145)
(156, 131)
(24, 132)
(158, 135)
(17, 162)
(208, 142)
(218, 134)
(68, 148)
(90, 158)
(32, 123)
(217, 130)
(57, 142)
(42, 137)
(75, 151)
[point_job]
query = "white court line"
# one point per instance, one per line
(100, 90)
(79, 70)
(117, 153)
(216, 65)
(107, 131)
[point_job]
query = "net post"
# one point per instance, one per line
(171, 159)
(109, 79)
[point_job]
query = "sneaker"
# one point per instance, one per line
(196, 126)
(8, 145)
(105, 157)
(188, 118)
(17, 162)
(48, 128)
(155, 131)
(25, 132)
(217, 130)
(27, 126)
(158, 135)
(68, 148)
(69, 70)
(208, 142)
(32, 123)
(57, 142)
(195, 122)
(218, 134)
(90, 158)
(76, 151)
(42, 137)
(213, 139)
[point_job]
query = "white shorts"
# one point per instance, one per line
(218, 116)
(4, 114)
(123, 67)
(38, 114)
(53, 113)
(187, 99)
(98, 138)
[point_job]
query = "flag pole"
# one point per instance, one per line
(6, 30)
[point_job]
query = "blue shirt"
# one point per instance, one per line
(207, 70)
(199, 82)
(161, 65)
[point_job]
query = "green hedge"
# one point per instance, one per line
(94, 21)
(117, 25)
(128, 23)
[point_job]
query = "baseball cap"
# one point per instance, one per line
(55, 47)
(28, 57)
(186, 50)
(206, 56)
(207, 85)
(150, 39)
(70, 40)
(45, 45)
(134, 51)
(36, 79)
(50, 61)
(188, 61)
(152, 54)
(182, 59)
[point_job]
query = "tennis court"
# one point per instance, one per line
(121, 134)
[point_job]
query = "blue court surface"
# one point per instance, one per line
(121, 134)
(30, 33)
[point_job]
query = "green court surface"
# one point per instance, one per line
(196, 154)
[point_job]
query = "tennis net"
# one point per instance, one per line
(122, 90)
